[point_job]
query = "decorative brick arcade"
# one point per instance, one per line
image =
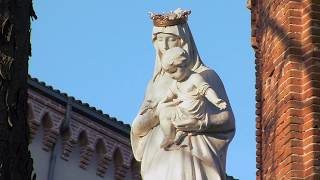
(63, 124)
(286, 41)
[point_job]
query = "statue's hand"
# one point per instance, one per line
(191, 125)
(222, 105)
(142, 124)
(148, 105)
(144, 110)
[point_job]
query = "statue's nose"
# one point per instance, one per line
(166, 46)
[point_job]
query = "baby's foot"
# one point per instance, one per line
(166, 142)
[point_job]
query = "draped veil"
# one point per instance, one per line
(206, 159)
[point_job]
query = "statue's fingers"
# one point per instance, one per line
(182, 127)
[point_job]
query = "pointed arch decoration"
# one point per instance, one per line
(50, 136)
(85, 151)
(119, 168)
(103, 160)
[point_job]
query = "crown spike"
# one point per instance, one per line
(171, 18)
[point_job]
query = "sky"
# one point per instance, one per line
(101, 53)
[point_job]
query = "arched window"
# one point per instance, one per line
(100, 148)
(83, 139)
(46, 121)
(119, 172)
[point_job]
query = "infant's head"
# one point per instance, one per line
(175, 63)
(174, 57)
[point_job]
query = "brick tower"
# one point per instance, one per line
(286, 40)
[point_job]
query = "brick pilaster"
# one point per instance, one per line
(311, 88)
(285, 36)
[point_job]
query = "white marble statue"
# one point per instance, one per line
(185, 123)
(185, 99)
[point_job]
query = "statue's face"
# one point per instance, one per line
(166, 41)
(179, 72)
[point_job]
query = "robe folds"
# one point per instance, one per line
(203, 159)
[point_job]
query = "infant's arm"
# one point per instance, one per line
(208, 92)
(211, 95)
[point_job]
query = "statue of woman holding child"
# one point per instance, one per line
(185, 123)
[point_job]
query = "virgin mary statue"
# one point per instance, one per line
(205, 156)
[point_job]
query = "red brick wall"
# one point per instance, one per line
(286, 40)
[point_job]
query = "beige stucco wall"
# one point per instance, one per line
(62, 169)
(70, 169)
(40, 157)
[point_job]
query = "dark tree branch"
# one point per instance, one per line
(15, 48)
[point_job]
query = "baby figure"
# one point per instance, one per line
(189, 96)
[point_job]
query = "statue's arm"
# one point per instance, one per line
(145, 119)
(217, 122)
(142, 124)
(221, 120)
(212, 96)
(206, 90)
